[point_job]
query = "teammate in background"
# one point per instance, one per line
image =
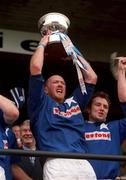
(8, 164)
(102, 136)
(58, 124)
(8, 115)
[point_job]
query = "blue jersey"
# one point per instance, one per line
(7, 140)
(57, 127)
(105, 138)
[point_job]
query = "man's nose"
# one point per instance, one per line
(102, 107)
(60, 83)
(28, 132)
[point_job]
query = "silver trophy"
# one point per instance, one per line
(56, 22)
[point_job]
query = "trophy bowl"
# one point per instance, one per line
(55, 22)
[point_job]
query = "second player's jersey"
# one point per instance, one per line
(105, 138)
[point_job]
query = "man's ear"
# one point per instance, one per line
(46, 89)
(87, 110)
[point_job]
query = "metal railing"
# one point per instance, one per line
(62, 155)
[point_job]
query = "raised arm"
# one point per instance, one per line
(10, 111)
(121, 79)
(37, 58)
(89, 74)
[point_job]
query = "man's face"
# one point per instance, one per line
(26, 136)
(16, 130)
(56, 88)
(99, 110)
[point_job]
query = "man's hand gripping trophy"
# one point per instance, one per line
(116, 63)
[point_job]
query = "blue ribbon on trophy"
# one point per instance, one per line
(58, 24)
(75, 54)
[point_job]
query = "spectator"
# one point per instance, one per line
(13, 160)
(16, 131)
(57, 123)
(102, 136)
(30, 165)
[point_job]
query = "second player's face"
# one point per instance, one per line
(56, 88)
(99, 110)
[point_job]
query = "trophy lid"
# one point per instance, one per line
(54, 17)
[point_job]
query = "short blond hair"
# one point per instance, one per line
(26, 122)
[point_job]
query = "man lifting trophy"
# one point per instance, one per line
(56, 120)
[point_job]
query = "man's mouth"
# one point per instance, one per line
(101, 114)
(59, 91)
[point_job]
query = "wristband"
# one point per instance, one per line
(41, 45)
